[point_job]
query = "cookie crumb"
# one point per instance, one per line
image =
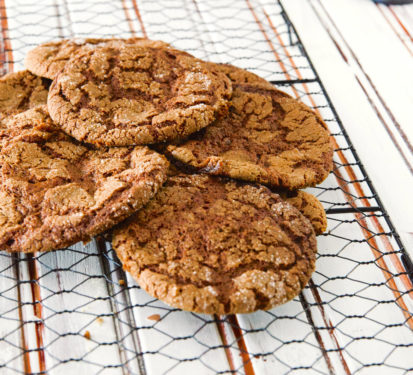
(121, 282)
(155, 317)
(86, 335)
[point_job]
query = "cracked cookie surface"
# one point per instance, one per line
(48, 59)
(212, 245)
(21, 91)
(56, 192)
(121, 95)
(303, 201)
(267, 137)
(309, 206)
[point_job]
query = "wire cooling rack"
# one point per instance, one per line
(75, 311)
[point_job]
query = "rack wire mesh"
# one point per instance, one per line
(75, 310)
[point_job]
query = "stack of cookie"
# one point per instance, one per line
(204, 161)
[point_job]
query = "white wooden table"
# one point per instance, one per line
(75, 311)
(364, 55)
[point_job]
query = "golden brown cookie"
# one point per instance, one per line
(267, 137)
(129, 94)
(29, 122)
(309, 206)
(56, 192)
(20, 91)
(212, 245)
(48, 59)
(304, 202)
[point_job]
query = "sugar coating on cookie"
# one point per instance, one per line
(211, 245)
(55, 192)
(310, 207)
(267, 137)
(48, 59)
(20, 91)
(130, 94)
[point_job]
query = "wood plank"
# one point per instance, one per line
(184, 27)
(30, 321)
(170, 340)
(282, 339)
(244, 43)
(349, 176)
(184, 341)
(188, 31)
(350, 180)
(95, 18)
(404, 16)
(367, 82)
(235, 350)
(172, 22)
(390, 73)
(127, 332)
(71, 301)
(357, 305)
(256, 324)
(351, 306)
(30, 23)
(378, 155)
(76, 304)
(394, 18)
(11, 338)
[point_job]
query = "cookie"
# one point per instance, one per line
(121, 95)
(48, 59)
(304, 202)
(310, 207)
(267, 137)
(55, 192)
(211, 245)
(27, 123)
(20, 91)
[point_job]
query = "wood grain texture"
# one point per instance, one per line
(78, 329)
(12, 335)
(360, 112)
(381, 73)
(80, 312)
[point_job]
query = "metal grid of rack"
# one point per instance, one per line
(75, 309)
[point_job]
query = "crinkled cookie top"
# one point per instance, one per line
(55, 192)
(121, 95)
(267, 137)
(211, 245)
(21, 91)
(48, 59)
